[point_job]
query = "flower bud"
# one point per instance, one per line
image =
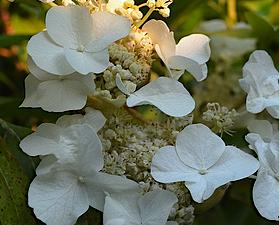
(165, 12)
(151, 3)
(136, 14)
(129, 3)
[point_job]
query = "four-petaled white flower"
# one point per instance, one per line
(135, 209)
(56, 93)
(191, 53)
(260, 81)
(68, 179)
(201, 159)
(165, 93)
(264, 139)
(75, 40)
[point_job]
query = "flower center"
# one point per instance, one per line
(81, 48)
(202, 171)
(81, 179)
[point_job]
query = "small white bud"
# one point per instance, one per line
(165, 12)
(136, 14)
(129, 3)
(151, 3)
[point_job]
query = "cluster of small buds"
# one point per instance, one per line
(128, 64)
(138, 66)
(220, 117)
(182, 212)
(132, 11)
(140, 44)
(128, 9)
(129, 147)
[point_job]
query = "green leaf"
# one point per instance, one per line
(13, 134)
(262, 29)
(13, 189)
(4, 100)
(8, 40)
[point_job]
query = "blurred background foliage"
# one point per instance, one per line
(21, 19)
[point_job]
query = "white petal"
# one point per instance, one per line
(199, 71)
(123, 87)
(195, 47)
(63, 95)
(43, 142)
(198, 147)
(31, 97)
(254, 103)
(233, 165)
(258, 145)
(263, 58)
(161, 35)
(273, 111)
(93, 117)
(47, 163)
(167, 94)
(87, 62)
(57, 199)
(103, 183)
(155, 206)
(69, 26)
(82, 149)
(265, 195)
(122, 207)
(37, 72)
(112, 5)
(262, 127)
(167, 167)
(198, 188)
(116, 222)
(274, 144)
(103, 22)
(47, 55)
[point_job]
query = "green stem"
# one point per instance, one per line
(150, 11)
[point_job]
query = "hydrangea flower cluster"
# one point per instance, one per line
(97, 58)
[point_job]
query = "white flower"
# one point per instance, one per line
(260, 81)
(167, 94)
(266, 187)
(76, 41)
(201, 159)
(191, 53)
(56, 93)
(67, 184)
(224, 46)
(151, 209)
